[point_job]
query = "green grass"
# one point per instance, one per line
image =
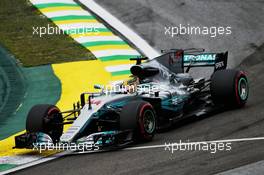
(4, 167)
(17, 18)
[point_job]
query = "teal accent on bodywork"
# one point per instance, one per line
(175, 103)
(111, 135)
(201, 58)
(117, 104)
(100, 142)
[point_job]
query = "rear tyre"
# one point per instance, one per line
(47, 119)
(141, 118)
(229, 87)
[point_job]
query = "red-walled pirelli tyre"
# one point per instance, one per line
(47, 119)
(229, 87)
(141, 117)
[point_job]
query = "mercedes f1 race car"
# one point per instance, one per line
(160, 93)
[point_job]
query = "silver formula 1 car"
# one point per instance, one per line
(163, 93)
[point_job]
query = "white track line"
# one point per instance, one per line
(66, 12)
(46, 159)
(43, 160)
(52, 1)
(111, 52)
(81, 26)
(186, 143)
(140, 43)
(35, 162)
(118, 67)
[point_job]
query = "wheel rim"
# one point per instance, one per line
(243, 89)
(149, 121)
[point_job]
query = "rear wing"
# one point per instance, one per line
(216, 60)
(177, 59)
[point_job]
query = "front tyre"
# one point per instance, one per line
(141, 118)
(229, 87)
(47, 119)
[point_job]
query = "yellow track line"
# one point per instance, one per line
(92, 34)
(76, 21)
(108, 47)
(53, 9)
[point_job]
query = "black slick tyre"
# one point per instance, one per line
(229, 87)
(47, 119)
(140, 117)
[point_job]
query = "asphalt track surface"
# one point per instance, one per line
(246, 45)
